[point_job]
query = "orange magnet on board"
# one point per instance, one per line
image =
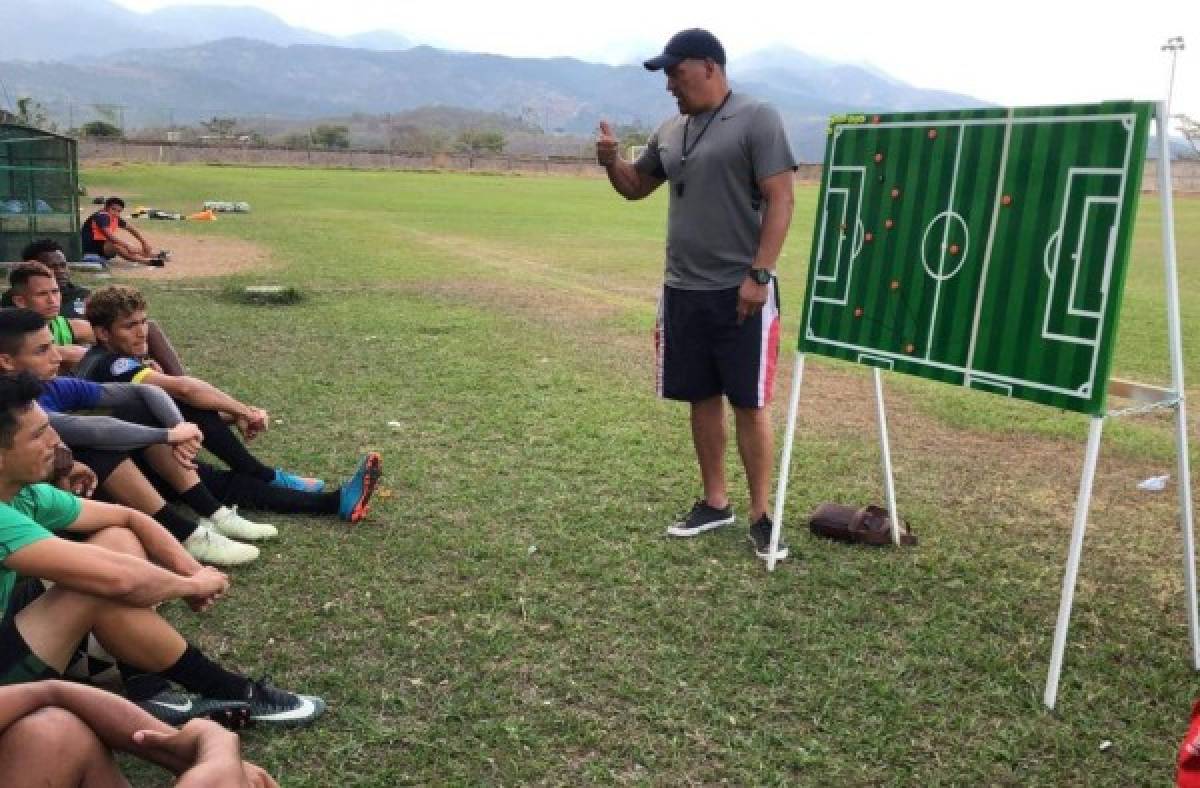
(931, 134)
(888, 223)
(875, 119)
(868, 237)
(1006, 200)
(858, 312)
(909, 348)
(878, 158)
(895, 192)
(895, 285)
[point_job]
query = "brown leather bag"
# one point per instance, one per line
(869, 525)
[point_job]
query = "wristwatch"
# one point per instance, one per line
(761, 275)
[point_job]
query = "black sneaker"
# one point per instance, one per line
(175, 707)
(273, 706)
(701, 518)
(760, 537)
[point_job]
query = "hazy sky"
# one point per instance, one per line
(1013, 52)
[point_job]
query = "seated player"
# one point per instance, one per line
(33, 286)
(100, 237)
(109, 584)
(50, 253)
(103, 444)
(62, 735)
(72, 297)
(118, 317)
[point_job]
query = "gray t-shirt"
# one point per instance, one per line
(713, 227)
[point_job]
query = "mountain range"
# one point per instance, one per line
(179, 65)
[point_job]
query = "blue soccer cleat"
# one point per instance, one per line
(356, 492)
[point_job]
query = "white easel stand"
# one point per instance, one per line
(1151, 396)
(786, 461)
(1154, 397)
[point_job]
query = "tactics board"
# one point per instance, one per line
(984, 248)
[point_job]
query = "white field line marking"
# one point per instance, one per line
(1128, 126)
(977, 382)
(987, 252)
(1080, 392)
(1087, 207)
(937, 290)
(873, 360)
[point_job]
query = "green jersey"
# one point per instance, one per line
(33, 515)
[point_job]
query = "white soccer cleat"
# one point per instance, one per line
(227, 521)
(209, 547)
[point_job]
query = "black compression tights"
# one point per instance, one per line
(224, 444)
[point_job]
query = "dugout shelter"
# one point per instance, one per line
(39, 190)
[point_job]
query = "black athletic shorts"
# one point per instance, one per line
(702, 352)
(17, 663)
(102, 461)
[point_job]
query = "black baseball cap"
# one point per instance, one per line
(693, 42)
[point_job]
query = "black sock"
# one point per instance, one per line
(220, 439)
(197, 673)
(179, 526)
(139, 684)
(200, 499)
(330, 502)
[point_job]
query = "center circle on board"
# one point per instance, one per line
(943, 223)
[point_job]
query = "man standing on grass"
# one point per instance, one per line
(730, 168)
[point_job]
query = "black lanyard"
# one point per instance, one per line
(687, 124)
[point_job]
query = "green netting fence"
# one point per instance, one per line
(39, 190)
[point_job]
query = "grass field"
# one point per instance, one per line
(512, 612)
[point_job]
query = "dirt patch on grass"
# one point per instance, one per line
(195, 256)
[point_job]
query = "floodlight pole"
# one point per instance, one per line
(1174, 45)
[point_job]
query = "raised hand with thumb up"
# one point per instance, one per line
(606, 145)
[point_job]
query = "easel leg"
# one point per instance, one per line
(785, 461)
(1175, 344)
(886, 452)
(1189, 536)
(1068, 589)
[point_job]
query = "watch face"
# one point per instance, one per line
(760, 275)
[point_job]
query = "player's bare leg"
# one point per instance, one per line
(708, 437)
(53, 747)
(54, 623)
(756, 446)
(128, 486)
(125, 252)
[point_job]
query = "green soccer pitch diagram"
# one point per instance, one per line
(985, 248)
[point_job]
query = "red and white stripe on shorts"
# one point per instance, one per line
(768, 347)
(660, 342)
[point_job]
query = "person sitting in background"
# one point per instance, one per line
(99, 236)
(50, 253)
(62, 735)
